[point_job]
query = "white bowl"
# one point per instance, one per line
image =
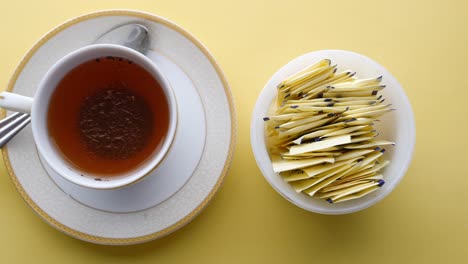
(397, 126)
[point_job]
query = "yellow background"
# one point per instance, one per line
(425, 220)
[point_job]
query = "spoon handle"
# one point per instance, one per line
(11, 128)
(9, 118)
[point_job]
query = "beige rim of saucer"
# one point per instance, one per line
(183, 221)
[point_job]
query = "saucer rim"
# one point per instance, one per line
(175, 226)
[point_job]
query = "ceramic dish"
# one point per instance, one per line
(184, 183)
(397, 126)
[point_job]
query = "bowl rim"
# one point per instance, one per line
(262, 156)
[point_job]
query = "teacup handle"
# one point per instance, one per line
(16, 102)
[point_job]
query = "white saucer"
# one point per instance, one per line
(189, 176)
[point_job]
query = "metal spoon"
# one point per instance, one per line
(134, 36)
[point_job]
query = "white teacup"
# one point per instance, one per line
(38, 107)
